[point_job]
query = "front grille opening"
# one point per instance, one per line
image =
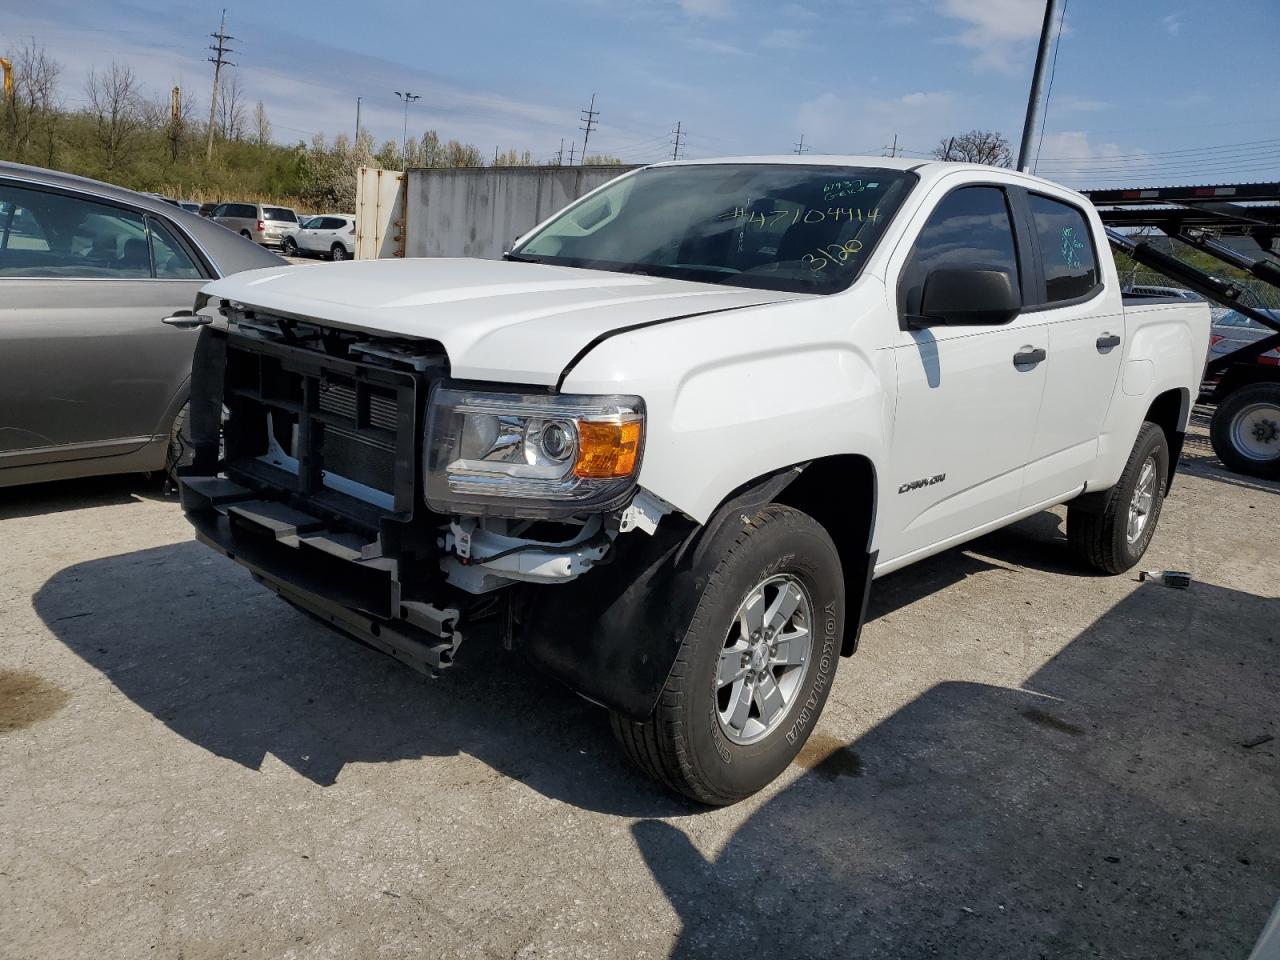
(316, 429)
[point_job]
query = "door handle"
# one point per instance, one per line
(1107, 341)
(186, 320)
(1029, 358)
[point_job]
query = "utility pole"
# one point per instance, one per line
(893, 150)
(408, 98)
(589, 117)
(357, 139)
(1035, 102)
(560, 155)
(219, 60)
(678, 142)
(950, 143)
(572, 147)
(175, 122)
(800, 146)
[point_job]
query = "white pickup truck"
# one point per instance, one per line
(668, 444)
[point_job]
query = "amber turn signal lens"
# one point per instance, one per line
(607, 450)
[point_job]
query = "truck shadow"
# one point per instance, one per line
(1110, 808)
(41, 499)
(190, 638)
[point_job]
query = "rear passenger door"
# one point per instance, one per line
(966, 408)
(1085, 326)
(86, 367)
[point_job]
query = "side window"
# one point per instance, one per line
(56, 235)
(172, 262)
(970, 227)
(1066, 247)
(219, 211)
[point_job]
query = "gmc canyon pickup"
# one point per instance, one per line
(669, 442)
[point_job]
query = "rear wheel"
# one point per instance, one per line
(755, 666)
(1115, 540)
(245, 234)
(339, 252)
(290, 247)
(1245, 431)
(181, 449)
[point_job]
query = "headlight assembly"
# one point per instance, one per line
(530, 455)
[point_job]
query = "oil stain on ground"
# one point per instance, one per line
(26, 699)
(829, 758)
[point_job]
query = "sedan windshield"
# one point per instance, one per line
(797, 227)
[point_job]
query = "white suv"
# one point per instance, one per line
(330, 234)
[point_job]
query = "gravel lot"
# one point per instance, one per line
(1022, 761)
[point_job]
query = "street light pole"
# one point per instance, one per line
(408, 98)
(1035, 102)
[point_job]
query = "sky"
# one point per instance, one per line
(1144, 92)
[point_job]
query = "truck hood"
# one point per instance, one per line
(498, 320)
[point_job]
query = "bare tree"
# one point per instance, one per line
(232, 110)
(976, 146)
(31, 115)
(116, 105)
(261, 125)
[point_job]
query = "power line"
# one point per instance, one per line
(1208, 163)
(219, 60)
(589, 118)
(1188, 151)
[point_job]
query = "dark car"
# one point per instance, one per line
(91, 381)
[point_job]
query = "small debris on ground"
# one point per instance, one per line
(1257, 741)
(1170, 578)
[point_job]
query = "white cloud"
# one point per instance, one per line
(707, 45)
(854, 123)
(926, 99)
(1070, 157)
(1173, 23)
(1001, 33)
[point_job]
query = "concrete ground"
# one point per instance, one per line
(1023, 760)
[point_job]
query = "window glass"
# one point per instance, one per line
(334, 223)
(796, 227)
(970, 227)
(1066, 247)
(282, 214)
(55, 235)
(172, 262)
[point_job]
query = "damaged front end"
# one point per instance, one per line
(355, 479)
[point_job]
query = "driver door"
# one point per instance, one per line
(967, 396)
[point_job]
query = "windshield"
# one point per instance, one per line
(802, 228)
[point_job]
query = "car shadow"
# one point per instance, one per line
(1113, 807)
(41, 499)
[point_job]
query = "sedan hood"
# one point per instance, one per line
(498, 320)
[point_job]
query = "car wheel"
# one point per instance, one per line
(1245, 431)
(339, 252)
(290, 247)
(181, 450)
(754, 668)
(1115, 540)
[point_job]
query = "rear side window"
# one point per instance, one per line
(56, 235)
(1066, 247)
(171, 260)
(970, 227)
(279, 214)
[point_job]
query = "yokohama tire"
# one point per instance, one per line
(685, 743)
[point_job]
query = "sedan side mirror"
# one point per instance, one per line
(958, 296)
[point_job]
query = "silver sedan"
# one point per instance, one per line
(91, 380)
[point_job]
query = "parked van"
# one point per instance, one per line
(258, 222)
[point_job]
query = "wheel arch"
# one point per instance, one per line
(605, 637)
(1171, 412)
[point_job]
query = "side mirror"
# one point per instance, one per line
(959, 296)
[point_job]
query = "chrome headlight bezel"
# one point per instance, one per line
(520, 454)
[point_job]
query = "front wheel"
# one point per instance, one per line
(755, 666)
(1115, 540)
(1245, 431)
